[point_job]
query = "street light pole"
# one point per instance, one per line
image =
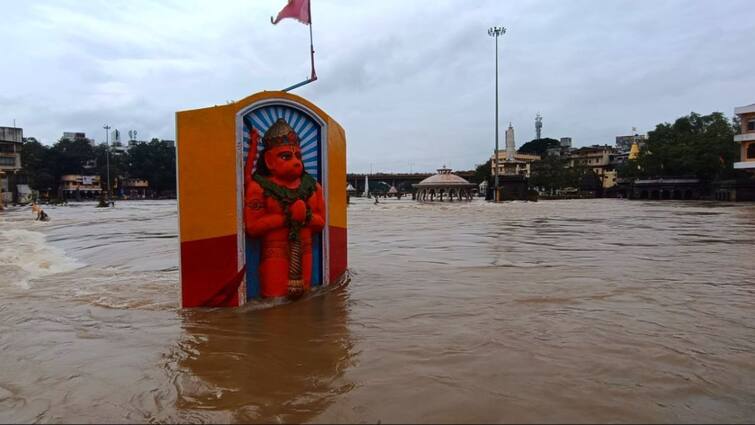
(496, 32)
(107, 143)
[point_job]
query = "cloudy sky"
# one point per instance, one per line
(412, 82)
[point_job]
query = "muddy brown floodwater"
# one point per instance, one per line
(585, 310)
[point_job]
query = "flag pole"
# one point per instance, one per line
(313, 75)
(311, 44)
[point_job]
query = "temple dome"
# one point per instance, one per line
(444, 185)
(444, 178)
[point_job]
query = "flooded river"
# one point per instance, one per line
(584, 310)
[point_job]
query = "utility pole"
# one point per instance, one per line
(496, 32)
(107, 143)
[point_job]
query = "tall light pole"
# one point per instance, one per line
(107, 143)
(496, 32)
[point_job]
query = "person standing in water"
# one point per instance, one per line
(41, 214)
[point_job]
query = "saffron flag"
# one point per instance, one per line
(297, 9)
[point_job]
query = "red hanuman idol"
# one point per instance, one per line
(283, 208)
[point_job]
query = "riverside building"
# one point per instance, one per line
(746, 138)
(600, 159)
(511, 162)
(78, 186)
(11, 141)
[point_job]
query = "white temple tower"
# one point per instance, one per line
(510, 143)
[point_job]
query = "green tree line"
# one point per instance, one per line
(552, 173)
(695, 145)
(44, 165)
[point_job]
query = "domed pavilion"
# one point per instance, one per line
(444, 186)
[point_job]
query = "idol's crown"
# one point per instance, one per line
(280, 134)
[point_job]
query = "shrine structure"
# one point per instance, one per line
(261, 200)
(444, 186)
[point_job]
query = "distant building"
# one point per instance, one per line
(80, 186)
(135, 187)
(115, 136)
(742, 187)
(511, 162)
(74, 136)
(624, 143)
(609, 178)
(564, 148)
(11, 142)
(118, 148)
(746, 138)
(667, 188)
(618, 159)
(520, 166)
(131, 143)
(482, 188)
(621, 157)
(599, 160)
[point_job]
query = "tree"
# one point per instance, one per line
(630, 169)
(44, 166)
(587, 179)
(695, 145)
(33, 155)
(35, 160)
(156, 162)
(539, 146)
(549, 173)
(482, 172)
(552, 173)
(165, 173)
(72, 155)
(43, 181)
(118, 165)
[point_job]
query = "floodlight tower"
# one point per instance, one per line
(496, 32)
(107, 143)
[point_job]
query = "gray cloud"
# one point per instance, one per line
(411, 82)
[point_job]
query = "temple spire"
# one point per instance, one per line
(510, 143)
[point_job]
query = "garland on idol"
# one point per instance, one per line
(286, 197)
